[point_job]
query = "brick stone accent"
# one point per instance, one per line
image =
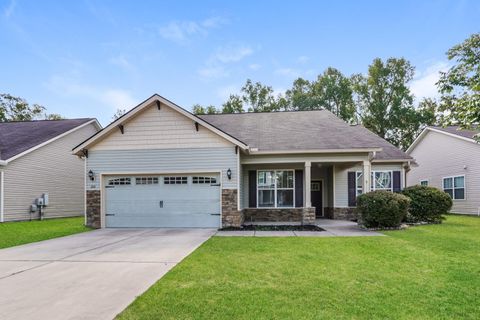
(304, 215)
(93, 208)
(345, 214)
(308, 215)
(231, 216)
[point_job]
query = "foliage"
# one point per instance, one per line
(424, 272)
(427, 204)
(382, 209)
(119, 113)
(17, 233)
(259, 97)
(199, 109)
(53, 116)
(460, 85)
(234, 104)
(18, 109)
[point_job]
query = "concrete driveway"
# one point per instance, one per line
(93, 275)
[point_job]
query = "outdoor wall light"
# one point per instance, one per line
(229, 174)
(91, 175)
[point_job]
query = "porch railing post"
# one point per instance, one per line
(367, 175)
(308, 174)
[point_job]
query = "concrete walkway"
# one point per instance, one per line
(93, 275)
(333, 228)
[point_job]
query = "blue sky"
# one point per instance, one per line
(88, 58)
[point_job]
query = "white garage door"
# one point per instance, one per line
(173, 201)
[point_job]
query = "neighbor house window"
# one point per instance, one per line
(119, 181)
(424, 183)
(455, 187)
(175, 180)
(275, 188)
(380, 180)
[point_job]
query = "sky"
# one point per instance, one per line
(89, 58)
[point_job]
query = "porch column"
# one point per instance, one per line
(367, 172)
(308, 174)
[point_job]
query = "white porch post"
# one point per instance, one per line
(367, 172)
(308, 174)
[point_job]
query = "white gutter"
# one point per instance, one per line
(255, 151)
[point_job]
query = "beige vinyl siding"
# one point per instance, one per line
(164, 161)
(160, 129)
(50, 169)
(439, 155)
(341, 179)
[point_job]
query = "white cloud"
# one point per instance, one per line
(232, 53)
(215, 66)
(423, 85)
(288, 72)
(182, 31)
(117, 98)
(122, 62)
(9, 9)
(224, 92)
(254, 66)
(213, 72)
(303, 59)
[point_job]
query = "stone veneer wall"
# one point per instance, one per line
(304, 215)
(231, 216)
(93, 208)
(345, 213)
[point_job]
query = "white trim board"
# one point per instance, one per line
(424, 133)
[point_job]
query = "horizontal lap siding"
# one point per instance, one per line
(438, 156)
(164, 160)
(50, 169)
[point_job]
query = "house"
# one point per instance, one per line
(161, 166)
(36, 164)
(448, 159)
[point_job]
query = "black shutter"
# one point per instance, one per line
(352, 188)
(396, 181)
(298, 188)
(252, 189)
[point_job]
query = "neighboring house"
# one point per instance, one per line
(449, 159)
(161, 166)
(36, 159)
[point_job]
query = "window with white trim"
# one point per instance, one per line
(146, 180)
(119, 181)
(275, 188)
(424, 183)
(203, 180)
(175, 180)
(455, 187)
(380, 180)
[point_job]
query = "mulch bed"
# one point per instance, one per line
(273, 228)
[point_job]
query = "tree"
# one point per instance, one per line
(259, 97)
(118, 114)
(53, 116)
(384, 101)
(301, 96)
(18, 109)
(234, 104)
(460, 85)
(199, 109)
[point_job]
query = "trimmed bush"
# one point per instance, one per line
(382, 209)
(428, 204)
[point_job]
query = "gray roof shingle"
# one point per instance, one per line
(457, 131)
(301, 130)
(19, 136)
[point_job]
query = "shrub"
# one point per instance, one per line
(427, 204)
(382, 209)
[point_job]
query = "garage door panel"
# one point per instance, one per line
(163, 205)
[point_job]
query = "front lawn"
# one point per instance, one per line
(16, 233)
(421, 273)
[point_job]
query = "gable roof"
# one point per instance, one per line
(452, 131)
(147, 103)
(303, 131)
(20, 137)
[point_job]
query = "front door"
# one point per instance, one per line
(316, 189)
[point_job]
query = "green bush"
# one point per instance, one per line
(427, 204)
(382, 209)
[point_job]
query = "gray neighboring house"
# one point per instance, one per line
(36, 159)
(449, 159)
(161, 166)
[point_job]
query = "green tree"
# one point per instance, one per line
(18, 109)
(384, 101)
(234, 104)
(119, 113)
(259, 97)
(460, 85)
(53, 116)
(199, 109)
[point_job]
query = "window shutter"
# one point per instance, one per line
(298, 188)
(252, 189)
(396, 181)
(352, 192)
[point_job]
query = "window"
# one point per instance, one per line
(380, 180)
(146, 180)
(424, 183)
(455, 187)
(275, 188)
(119, 181)
(175, 180)
(203, 180)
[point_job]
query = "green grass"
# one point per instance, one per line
(424, 272)
(16, 233)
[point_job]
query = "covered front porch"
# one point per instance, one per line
(300, 189)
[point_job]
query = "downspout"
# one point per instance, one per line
(2, 193)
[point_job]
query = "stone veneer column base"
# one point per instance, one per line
(93, 209)
(303, 215)
(345, 213)
(231, 216)
(308, 215)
